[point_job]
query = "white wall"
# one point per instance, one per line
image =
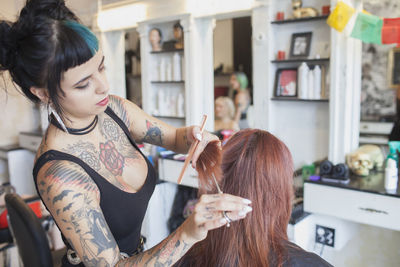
(16, 111)
(223, 44)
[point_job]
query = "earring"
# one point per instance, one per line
(57, 117)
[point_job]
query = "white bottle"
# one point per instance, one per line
(161, 102)
(180, 106)
(162, 70)
(176, 67)
(168, 71)
(303, 78)
(310, 84)
(317, 82)
(391, 175)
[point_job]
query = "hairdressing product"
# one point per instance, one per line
(160, 102)
(180, 105)
(317, 82)
(303, 78)
(391, 175)
(168, 72)
(161, 70)
(394, 147)
(176, 64)
(310, 84)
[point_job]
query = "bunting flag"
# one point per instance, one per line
(368, 28)
(340, 16)
(391, 31)
(364, 26)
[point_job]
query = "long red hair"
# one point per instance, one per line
(258, 166)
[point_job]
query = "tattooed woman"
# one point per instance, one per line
(89, 172)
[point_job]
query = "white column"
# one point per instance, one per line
(143, 30)
(345, 90)
(113, 44)
(199, 70)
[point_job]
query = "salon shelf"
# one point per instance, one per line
(162, 82)
(167, 51)
(300, 60)
(288, 98)
(323, 17)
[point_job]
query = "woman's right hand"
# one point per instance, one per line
(208, 214)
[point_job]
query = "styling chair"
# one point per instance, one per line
(29, 235)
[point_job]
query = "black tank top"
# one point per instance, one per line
(123, 211)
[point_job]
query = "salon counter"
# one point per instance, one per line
(362, 200)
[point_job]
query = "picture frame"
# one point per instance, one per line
(300, 45)
(394, 68)
(285, 82)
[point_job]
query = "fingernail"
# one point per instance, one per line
(199, 136)
(247, 209)
(246, 201)
(223, 221)
(242, 213)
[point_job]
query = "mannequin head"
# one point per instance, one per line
(178, 35)
(155, 37)
(238, 81)
(224, 108)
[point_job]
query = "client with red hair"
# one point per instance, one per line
(258, 166)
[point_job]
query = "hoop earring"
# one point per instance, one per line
(57, 117)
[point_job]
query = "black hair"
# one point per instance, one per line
(159, 33)
(43, 43)
(178, 25)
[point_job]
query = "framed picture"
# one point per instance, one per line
(286, 82)
(394, 68)
(300, 45)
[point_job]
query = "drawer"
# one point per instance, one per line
(169, 170)
(352, 205)
(30, 142)
(376, 127)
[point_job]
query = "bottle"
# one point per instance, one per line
(180, 106)
(317, 82)
(168, 73)
(162, 71)
(161, 103)
(303, 78)
(391, 175)
(310, 84)
(176, 64)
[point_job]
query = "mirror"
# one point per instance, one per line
(232, 74)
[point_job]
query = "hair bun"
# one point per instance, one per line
(5, 44)
(54, 9)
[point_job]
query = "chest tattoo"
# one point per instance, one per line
(85, 151)
(111, 158)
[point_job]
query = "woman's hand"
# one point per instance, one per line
(204, 138)
(208, 214)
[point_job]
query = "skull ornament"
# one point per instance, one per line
(364, 159)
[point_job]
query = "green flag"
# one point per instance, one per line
(368, 28)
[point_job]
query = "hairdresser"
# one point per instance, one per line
(88, 171)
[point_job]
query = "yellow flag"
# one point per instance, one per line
(340, 16)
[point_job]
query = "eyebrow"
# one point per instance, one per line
(87, 77)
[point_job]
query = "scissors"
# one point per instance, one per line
(229, 220)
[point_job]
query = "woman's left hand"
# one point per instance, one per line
(203, 138)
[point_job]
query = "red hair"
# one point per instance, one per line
(258, 166)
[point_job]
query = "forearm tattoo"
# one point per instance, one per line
(165, 254)
(153, 134)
